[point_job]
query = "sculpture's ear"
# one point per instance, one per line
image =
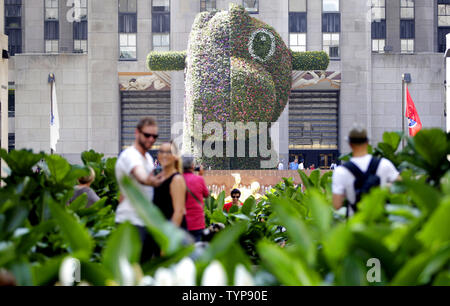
(309, 61)
(166, 60)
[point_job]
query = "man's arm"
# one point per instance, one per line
(146, 179)
(338, 200)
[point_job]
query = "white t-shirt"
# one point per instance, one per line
(128, 160)
(343, 179)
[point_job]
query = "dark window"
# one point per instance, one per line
(442, 41)
(331, 22)
(80, 30)
(51, 30)
(161, 23)
(207, 5)
(297, 23)
(11, 103)
(127, 23)
(13, 25)
(379, 29)
(407, 29)
(252, 6)
(11, 141)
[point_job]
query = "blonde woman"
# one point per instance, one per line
(170, 196)
(84, 186)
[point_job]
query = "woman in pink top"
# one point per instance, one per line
(196, 191)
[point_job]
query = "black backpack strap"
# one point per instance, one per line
(373, 166)
(357, 173)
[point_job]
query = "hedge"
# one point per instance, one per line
(175, 60)
(166, 61)
(307, 61)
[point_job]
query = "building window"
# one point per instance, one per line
(443, 24)
(330, 5)
(11, 103)
(80, 27)
(378, 25)
(13, 25)
(161, 25)
(51, 10)
(331, 27)
(80, 36)
(407, 26)
(207, 5)
(406, 9)
(51, 26)
(128, 45)
(127, 29)
(297, 25)
(252, 6)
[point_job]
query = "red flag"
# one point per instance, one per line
(414, 123)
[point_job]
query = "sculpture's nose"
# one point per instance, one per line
(253, 93)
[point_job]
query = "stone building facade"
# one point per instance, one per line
(97, 50)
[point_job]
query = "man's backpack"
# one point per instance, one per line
(363, 181)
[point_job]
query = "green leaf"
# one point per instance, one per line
(223, 240)
(248, 206)
(442, 279)
(22, 273)
(425, 196)
(218, 217)
(315, 178)
(337, 244)
(305, 180)
(58, 168)
(297, 230)
(79, 203)
(321, 211)
(21, 162)
(431, 144)
(168, 236)
(289, 270)
(437, 229)
(7, 252)
(123, 243)
(48, 272)
(95, 274)
(393, 139)
(74, 233)
(220, 201)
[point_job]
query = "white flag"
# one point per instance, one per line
(54, 121)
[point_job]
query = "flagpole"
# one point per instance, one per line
(403, 108)
(51, 80)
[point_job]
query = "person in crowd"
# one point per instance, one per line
(84, 186)
(312, 167)
(361, 173)
(235, 195)
(196, 191)
(170, 196)
(280, 165)
(301, 165)
(294, 165)
(137, 163)
(333, 165)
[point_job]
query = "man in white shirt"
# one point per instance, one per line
(280, 166)
(343, 180)
(137, 163)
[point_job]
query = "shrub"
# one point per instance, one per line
(166, 61)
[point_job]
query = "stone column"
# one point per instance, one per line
(103, 84)
(356, 56)
(33, 21)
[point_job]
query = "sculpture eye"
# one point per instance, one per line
(261, 45)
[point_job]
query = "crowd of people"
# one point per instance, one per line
(176, 186)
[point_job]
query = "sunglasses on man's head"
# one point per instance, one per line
(147, 135)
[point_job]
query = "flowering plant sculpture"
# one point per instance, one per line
(238, 69)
